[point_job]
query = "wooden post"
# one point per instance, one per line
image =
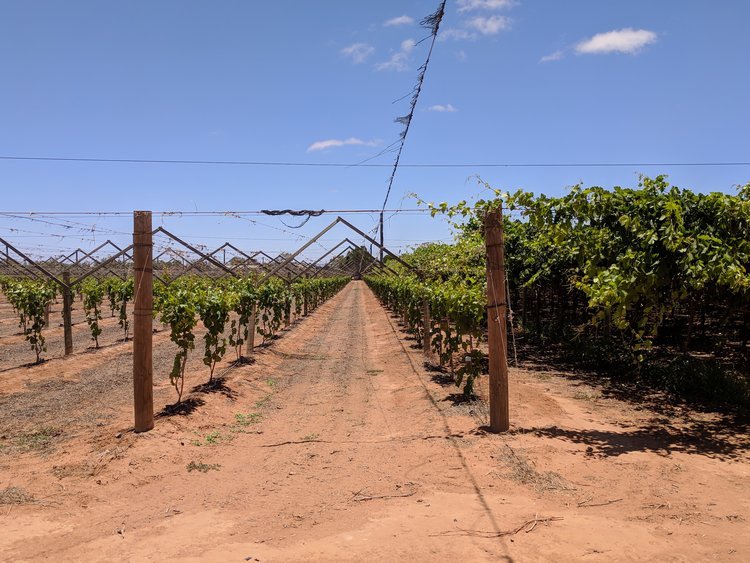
(305, 306)
(143, 390)
(496, 323)
(382, 237)
(426, 328)
(67, 313)
(46, 314)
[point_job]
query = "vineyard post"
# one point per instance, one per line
(67, 296)
(426, 327)
(382, 237)
(143, 391)
(496, 323)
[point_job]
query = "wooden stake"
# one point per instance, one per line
(426, 328)
(496, 312)
(143, 314)
(67, 296)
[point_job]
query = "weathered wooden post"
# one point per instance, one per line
(496, 323)
(67, 314)
(143, 390)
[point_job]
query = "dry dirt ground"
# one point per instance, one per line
(338, 444)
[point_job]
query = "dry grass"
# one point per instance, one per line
(15, 495)
(38, 440)
(521, 471)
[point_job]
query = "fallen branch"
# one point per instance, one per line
(527, 527)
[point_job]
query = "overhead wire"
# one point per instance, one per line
(363, 164)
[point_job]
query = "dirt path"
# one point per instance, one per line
(336, 444)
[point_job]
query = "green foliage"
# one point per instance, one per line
(244, 304)
(460, 302)
(30, 299)
(120, 292)
(214, 305)
(636, 254)
(93, 292)
(178, 310)
(188, 299)
(617, 276)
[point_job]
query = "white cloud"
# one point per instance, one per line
(400, 59)
(331, 143)
(400, 20)
(407, 45)
(556, 56)
(397, 62)
(627, 40)
(358, 52)
(455, 33)
(443, 108)
(491, 25)
(468, 5)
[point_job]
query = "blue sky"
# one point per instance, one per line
(526, 81)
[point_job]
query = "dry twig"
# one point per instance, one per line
(527, 527)
(583, 503)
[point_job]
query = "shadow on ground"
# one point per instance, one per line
(714, 439)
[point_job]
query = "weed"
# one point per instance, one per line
(523, 472)
(271, 382)
(202, 467)
(310, 437)
(211, 439)
(263, 401)
(586, 395)
(248, 419)
(38, 440)
(15, 495)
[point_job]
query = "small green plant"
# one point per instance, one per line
(248, 419)
(310, 437)
(202, 467)
(120, 292)
(213, 308)
(210, 439)
(271, 382)
(244, 304)
(178, 311)
(93, 295)
(37, 440)
(31, 299)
